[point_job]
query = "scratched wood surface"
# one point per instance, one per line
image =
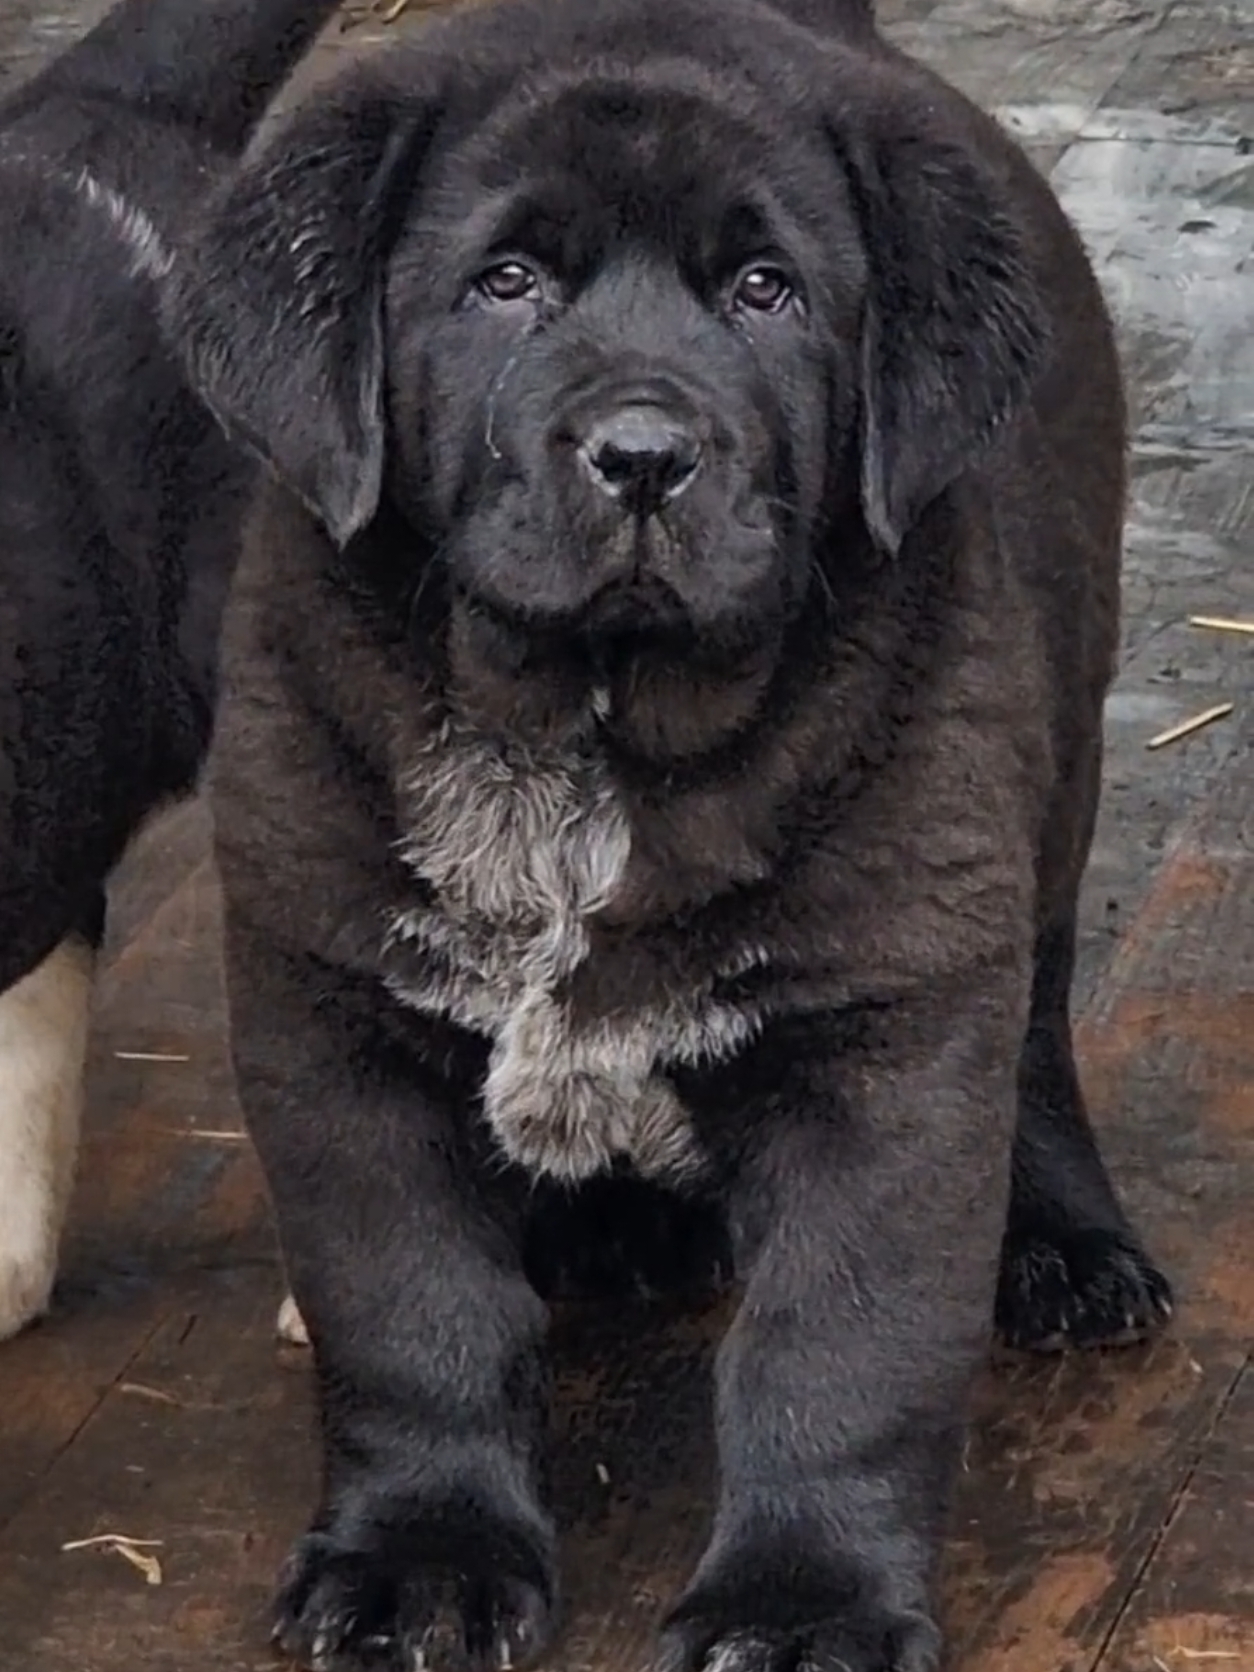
(1105, 1519)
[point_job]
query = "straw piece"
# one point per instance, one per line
(1186, 728)
(1221, 624)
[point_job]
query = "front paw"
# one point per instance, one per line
(1077, 1287)
(772, 1616)
(420, 1591)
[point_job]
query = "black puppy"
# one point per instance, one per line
(664, 725)
(120, 502)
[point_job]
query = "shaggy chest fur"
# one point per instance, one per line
(520, 852)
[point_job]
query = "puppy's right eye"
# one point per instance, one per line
(508, 281)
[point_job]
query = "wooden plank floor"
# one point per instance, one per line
(1105, 1521)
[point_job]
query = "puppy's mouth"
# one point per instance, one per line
(632, 609)
(637, 609)
(626, 624)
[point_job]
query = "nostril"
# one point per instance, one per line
(643, 453)
(669, 466)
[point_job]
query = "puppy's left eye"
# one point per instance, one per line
(508, 281)
(763, 289)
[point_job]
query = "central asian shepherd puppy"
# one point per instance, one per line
(660, 751)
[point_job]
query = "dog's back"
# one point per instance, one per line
(119, 493)
(119, 505)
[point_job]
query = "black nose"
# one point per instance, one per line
(641, 454)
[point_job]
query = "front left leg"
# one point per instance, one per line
(868, 1208)
(432, 1544)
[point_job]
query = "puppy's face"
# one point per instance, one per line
(642, 325)
(621, 338)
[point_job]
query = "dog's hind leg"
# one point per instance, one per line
(290, 1326)
(43, 1044)
(621, 1237)
(1073, 1271)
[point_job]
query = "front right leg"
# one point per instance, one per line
(430, 1542)
(867, 1178)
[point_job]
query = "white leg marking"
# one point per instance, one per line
(43, 1042)
(291, 1326)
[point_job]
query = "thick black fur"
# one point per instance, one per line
(622, 1238)
(845, 689)
(120, 498)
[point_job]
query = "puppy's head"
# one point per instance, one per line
(624, 329)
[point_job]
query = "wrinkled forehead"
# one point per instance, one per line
(575, 166)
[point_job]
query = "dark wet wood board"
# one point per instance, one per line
(1105, 1518)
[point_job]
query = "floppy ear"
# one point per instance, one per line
(276, 302)
(954, 328)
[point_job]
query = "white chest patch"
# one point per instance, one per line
(520, 853)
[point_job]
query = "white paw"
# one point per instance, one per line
(43, 1040)
(291, 1326)
(26, 1279)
